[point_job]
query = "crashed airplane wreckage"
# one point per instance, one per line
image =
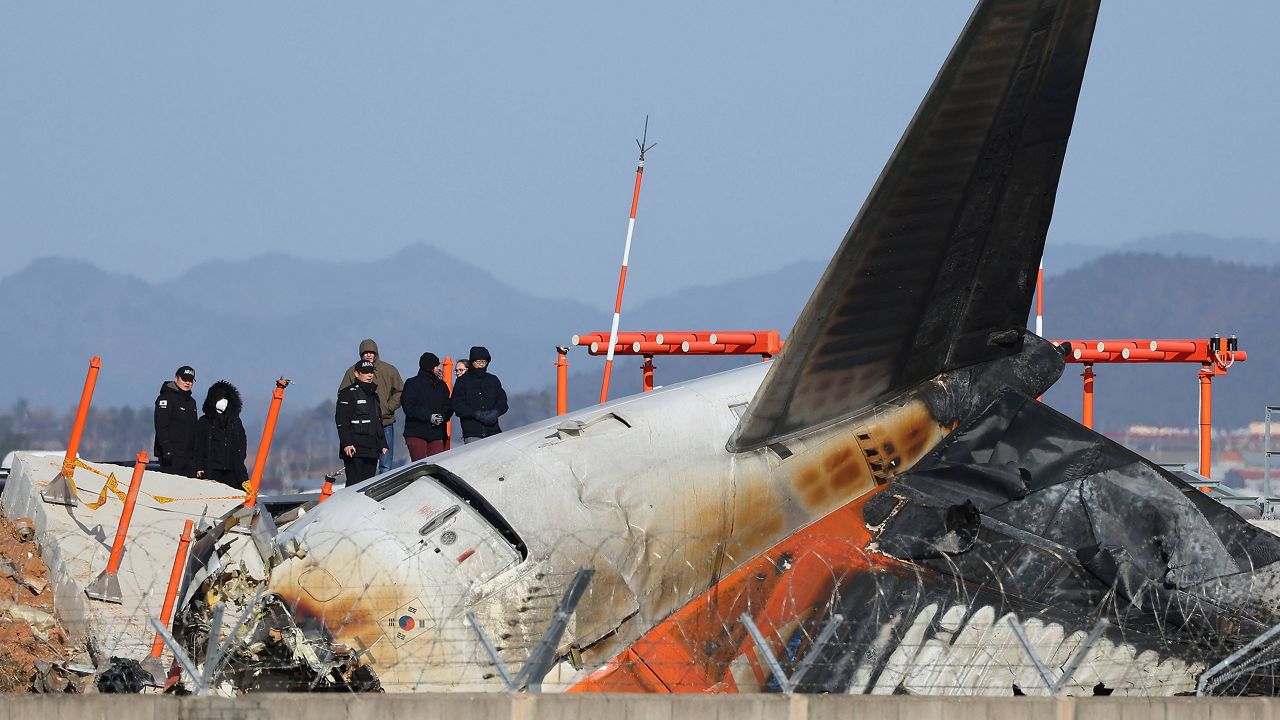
(889, 476)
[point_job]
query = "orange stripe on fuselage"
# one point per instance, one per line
(692, 650)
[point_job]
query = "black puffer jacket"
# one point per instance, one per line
(359, 420)
(478, 400)
(425, 395)
(220, 440)
(175, 423)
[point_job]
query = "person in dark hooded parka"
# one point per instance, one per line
(478, 398)
(425, 402)
(220, 440)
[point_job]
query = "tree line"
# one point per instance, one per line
(303, 450)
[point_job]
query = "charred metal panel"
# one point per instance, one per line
(937, 271)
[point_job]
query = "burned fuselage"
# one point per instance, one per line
(889, 476)
(642, 490)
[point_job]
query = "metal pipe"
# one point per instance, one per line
(61, 490)
(82, 414)
(1086, 418)
(446, 369)
(326, 490)
(653, 348)
(732, 338)
(175, 579)
(1206, 420)
(700, 348)
(126, 515)
(562, 380)
(264, 446)
(106, 586)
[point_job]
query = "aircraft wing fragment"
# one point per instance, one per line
(938, 268)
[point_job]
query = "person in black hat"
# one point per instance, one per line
(425, 402)
(478, 398)
(175, 423)
(358, 415)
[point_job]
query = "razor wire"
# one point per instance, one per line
(845, 619)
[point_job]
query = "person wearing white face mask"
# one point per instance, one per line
(220, 438)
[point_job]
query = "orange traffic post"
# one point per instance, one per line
(264, 447)
(647, 369)
(1087, 414)
(175, 579)
(62, 490)
(562, 380)
(106, 586)
(1206, 420)
(446, 369)
(326, 490)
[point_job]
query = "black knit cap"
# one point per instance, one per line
(478, 352)
(428, 361)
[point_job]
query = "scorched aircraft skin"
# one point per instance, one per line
(891, 466)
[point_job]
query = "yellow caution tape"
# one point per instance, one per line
(112, 486)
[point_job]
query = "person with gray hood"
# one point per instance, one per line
(390, 386)
(478, 398)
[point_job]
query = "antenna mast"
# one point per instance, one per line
(626, 257)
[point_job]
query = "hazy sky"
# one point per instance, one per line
(147, 137)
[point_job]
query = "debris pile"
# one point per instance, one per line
(36, 652)
(258, 643)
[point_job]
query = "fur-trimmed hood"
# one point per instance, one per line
(219, 390)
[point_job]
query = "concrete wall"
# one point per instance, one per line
(459, 706)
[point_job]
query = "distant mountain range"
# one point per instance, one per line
(253, 320)
(1061, 258)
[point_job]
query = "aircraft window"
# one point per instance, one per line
(456, 487)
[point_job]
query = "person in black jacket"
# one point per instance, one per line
(220, 441)
(175, 423)
(427, 410)
(359, 418)
(478, 398)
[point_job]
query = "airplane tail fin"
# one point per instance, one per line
(938, 268)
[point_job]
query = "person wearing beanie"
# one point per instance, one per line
(175, 424)
(478, 398)
(390, 385)
(220, 438)
(361, 440)
(427, 410)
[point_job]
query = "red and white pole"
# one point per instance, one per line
(1040, 299)
(626, 259)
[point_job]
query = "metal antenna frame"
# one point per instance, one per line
(788, 684)
(645, 138)
(543, 657)
(1055, 686)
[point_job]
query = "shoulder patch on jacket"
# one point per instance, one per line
(163, 403)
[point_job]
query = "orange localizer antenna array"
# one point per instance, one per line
(626, 258)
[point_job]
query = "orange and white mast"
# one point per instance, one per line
(1040, 299)
(626, 258)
